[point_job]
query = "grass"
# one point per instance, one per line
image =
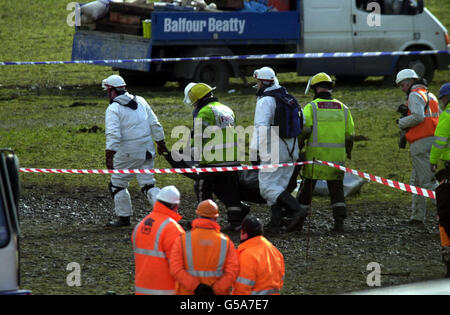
(46, 110)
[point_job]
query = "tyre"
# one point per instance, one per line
(350, 79)
(214, 73)
(140, 78)
(423, 65)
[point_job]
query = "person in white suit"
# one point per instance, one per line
(131, 126)
(270, 148)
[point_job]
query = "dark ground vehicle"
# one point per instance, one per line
(9, 224)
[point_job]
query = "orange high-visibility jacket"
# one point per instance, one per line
(152, 239)
(427, 127)
(445, 240)
(204, 255)
(261, 268)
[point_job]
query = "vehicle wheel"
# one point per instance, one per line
(182, 83)
(423, 65)
(214, 73)
(140, 78)
(350, 79)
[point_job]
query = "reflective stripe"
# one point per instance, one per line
(149, 252)
(245, 281)
(432, 114)
(155, 252)
(190, 262)
(199, 273)
(154, 292)
(223, 253)
(237, 209)
(443, 139)
(265, 292)
(205, 274)
(327, 145)
(441, 146)
(338, 204)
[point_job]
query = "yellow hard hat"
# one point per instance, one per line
(321, 77)
(208, 209)
(198, 91)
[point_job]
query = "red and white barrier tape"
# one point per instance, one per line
(387, 182)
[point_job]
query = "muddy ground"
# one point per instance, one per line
(60, 227)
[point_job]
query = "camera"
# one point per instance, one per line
(403, 110)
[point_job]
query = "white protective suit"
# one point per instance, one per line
(130, 133)
(271, 149)
(421, 174)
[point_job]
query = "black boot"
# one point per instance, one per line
(338, 225)
(235, 216)
(274, 225)
(292, 205)
(122, 221)
(339, 214)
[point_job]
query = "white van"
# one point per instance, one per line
(9, 225)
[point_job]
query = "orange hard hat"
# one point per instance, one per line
(207, 208)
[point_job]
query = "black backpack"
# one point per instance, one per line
(288, 113)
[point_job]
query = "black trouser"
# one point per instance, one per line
(336, 190)
(225, 185)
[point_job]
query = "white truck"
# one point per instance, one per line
(309, 26)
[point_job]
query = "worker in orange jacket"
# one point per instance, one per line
(204, 261)
(261, 263)
(419, 126)
(152, 239)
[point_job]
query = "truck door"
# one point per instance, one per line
(382, 25)
(326, 28)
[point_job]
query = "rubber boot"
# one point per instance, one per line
(291, 204)
(235, 217)
(245, 209)
(339, 214)
(122, 221)
(338, 225)
(274, 226)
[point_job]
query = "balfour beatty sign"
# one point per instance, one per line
(193, 26)
(184, 25)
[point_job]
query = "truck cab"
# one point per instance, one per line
(306, 26)
(370, 26)
(9, 224)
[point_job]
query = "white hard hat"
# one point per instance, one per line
(265, 73)
(169, 194)
(115, 81)
(406, 74)
(188, 87)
